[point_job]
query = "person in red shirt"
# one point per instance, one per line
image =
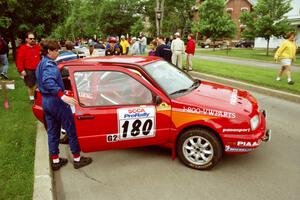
(190, 51)
(28, 57)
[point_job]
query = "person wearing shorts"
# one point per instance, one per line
(28, 57)
(286, 53)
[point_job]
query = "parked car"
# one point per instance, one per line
(133, 101)
(245, 43)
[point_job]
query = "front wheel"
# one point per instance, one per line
(199, 149)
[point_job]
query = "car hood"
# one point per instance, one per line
(219, 98)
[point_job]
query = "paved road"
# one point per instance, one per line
(251, 63)
(271, 172)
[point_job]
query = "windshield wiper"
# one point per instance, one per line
(195, 84)
(180, 91)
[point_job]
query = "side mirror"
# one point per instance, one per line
(157, 100)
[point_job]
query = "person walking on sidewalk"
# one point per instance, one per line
(177, 48)
(28, 57)
(286, 53)
(3, 57)
(56, 107)
(190, 51)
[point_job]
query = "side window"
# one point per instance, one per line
(108, 88)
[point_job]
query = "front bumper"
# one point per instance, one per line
(243, 143)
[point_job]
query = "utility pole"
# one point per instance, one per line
(159, 15)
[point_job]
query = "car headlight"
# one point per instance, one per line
(254, 121)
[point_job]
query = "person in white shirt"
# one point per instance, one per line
(177, 48)
(134, 47)
(143, 44)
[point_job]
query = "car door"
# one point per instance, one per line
(118, 109)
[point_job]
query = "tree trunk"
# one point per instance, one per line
(156, 20)
(159, 6)
(268, 41)
(162, 6)
(13, 44)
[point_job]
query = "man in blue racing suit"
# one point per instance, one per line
(56, 107)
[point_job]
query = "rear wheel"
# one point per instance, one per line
(199, 149)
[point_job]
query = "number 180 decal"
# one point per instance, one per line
(134, 123)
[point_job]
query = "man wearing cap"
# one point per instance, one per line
(112, 48)
(177, 48)
(124, 45)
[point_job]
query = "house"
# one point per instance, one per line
(294, 18)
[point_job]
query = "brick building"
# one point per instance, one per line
(233, 8)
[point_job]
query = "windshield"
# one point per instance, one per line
(170, 78)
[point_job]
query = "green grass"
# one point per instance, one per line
(259, 76)
(256, 54)
(17, 142)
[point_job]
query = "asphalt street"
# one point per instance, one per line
(270, 172)
(246, 62)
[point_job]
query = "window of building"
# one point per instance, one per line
(244, 9)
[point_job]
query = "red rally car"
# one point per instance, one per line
(139, 101)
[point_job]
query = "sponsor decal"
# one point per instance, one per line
(135, 113)
(85, 95)
(211, 112)
(163, 106)
(233, 98)
(134, 123)
(236, 130)
(234, 149)
(248, 144)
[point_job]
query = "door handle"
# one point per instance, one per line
(84, 117)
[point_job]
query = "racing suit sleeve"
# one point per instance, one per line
(49, 80)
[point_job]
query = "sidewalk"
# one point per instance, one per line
(242, 61)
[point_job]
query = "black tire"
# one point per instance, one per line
(213, 152)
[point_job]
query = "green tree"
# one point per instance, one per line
(176, 16)
(83, 20)
(249, 29)
(117, 16)
(268, 19)
(214, 23)
(18, 16)
(137, 28)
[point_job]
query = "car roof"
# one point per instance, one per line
(138, 60)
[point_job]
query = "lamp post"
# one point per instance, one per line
(158, 18)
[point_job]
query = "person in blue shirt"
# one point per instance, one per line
(68, 54)
(56, 107)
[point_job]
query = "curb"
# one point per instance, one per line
(43, 187)
(246, 86)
